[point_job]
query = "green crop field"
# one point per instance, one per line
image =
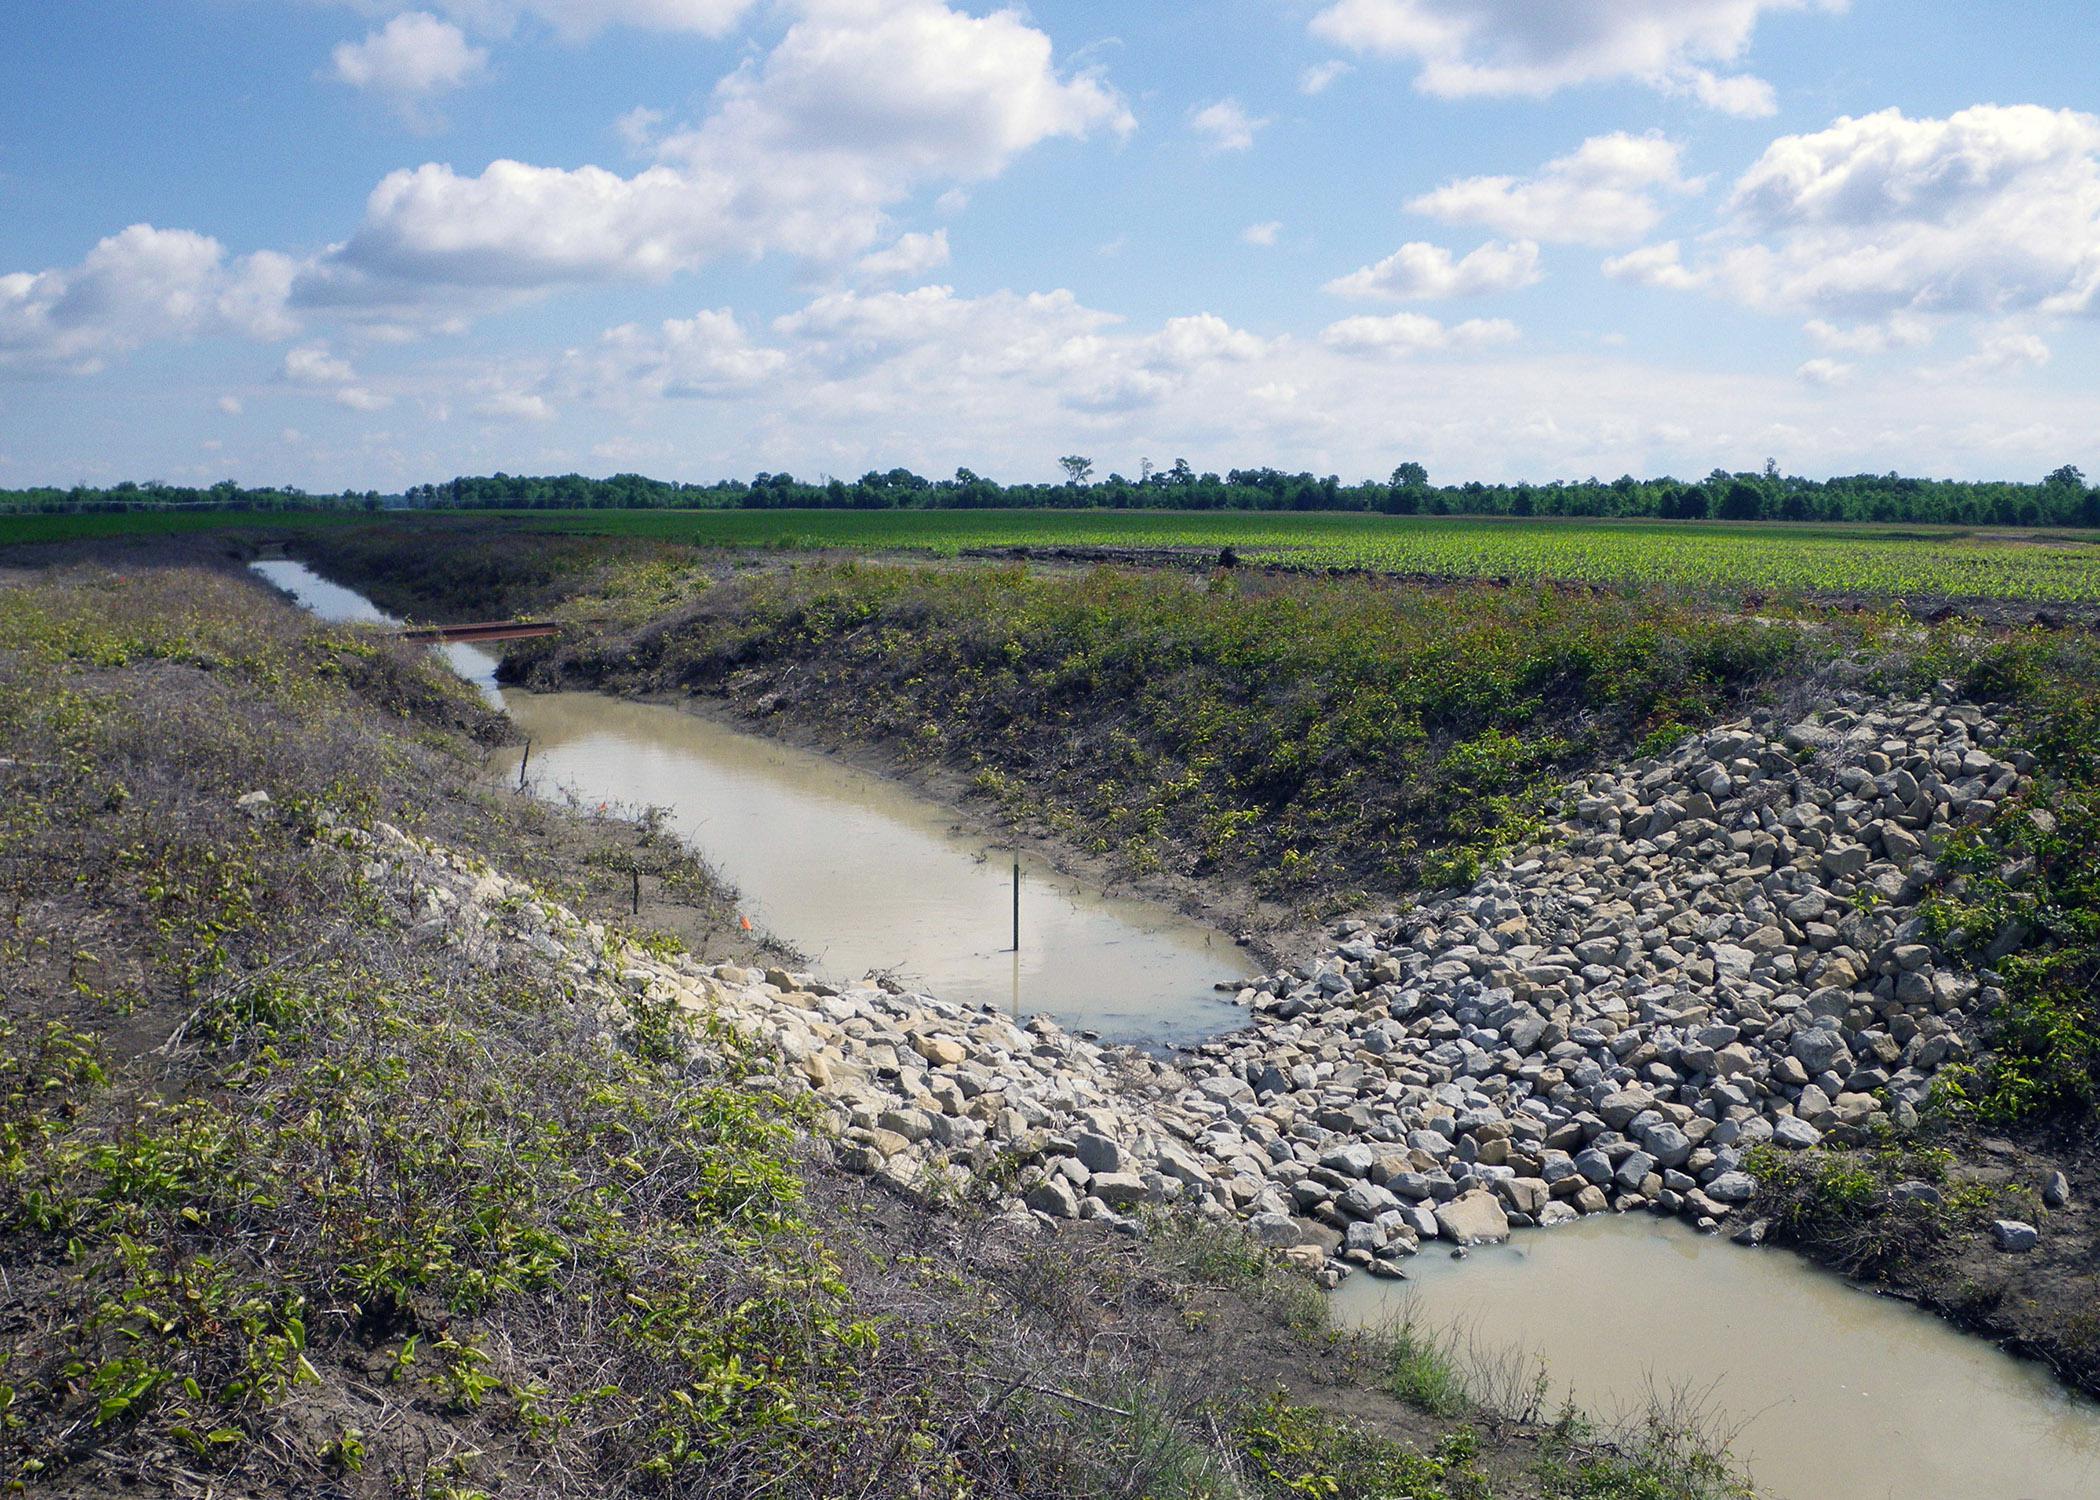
(1776, 559)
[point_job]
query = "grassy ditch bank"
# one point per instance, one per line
(298, 1195)
(2019, 900)
(442, 569)
(1317, 743)
(1314, 741)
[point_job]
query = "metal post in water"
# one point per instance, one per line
(524, 761)
(1017, 898)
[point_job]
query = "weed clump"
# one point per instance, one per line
(2022, 897)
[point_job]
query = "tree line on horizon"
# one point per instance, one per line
(2063, 498)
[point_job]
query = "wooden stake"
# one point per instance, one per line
(524, 761)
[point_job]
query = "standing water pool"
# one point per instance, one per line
(1839, 1394)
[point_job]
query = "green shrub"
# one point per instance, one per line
(1295, 1452)
(1313, 737)
(2029, 881)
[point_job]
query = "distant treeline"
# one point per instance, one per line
(225, 495)
(2061, 499)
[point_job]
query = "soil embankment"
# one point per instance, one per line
(342, 1160)
(1065, 727)
(1313, 745)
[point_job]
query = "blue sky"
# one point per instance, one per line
(355, 243)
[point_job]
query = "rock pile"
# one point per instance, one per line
(1718, 949)
(1721, 950)
(924, 1095)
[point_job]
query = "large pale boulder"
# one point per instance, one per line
(1474, 1218)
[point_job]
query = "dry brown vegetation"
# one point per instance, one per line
(294, 1197)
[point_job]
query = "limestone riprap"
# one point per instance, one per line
(1716, 949)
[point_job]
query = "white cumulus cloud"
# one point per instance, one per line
(912, 255)
(2012, 351)
(515, 406)
(1422, 272)
(1655, 265)
(1225, 125)
(804, 150)
(1415, 333)
(1470, 48)
(1607, 191)
(1898, 331)
(937, 350)
(1993, 209)
(578, 20)
(2000, 352)
(1825, 371)
(1186, 343)
(1264, 233)
(1743, 96)
(997, 334)
(316, 368)
(1880, 222)
(1317, 78)
(706, 356)
(312, 364)
(135, 287)
(413, 56)
(639, 128)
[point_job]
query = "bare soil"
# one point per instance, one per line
(2044, 1304)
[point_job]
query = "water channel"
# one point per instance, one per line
(853, 869)
(1836, 1394)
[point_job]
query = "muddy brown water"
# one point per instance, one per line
(1836, 1394)
(856, 871)
(863, 874)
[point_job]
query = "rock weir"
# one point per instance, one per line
(1716, 949)
(1722, 948)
